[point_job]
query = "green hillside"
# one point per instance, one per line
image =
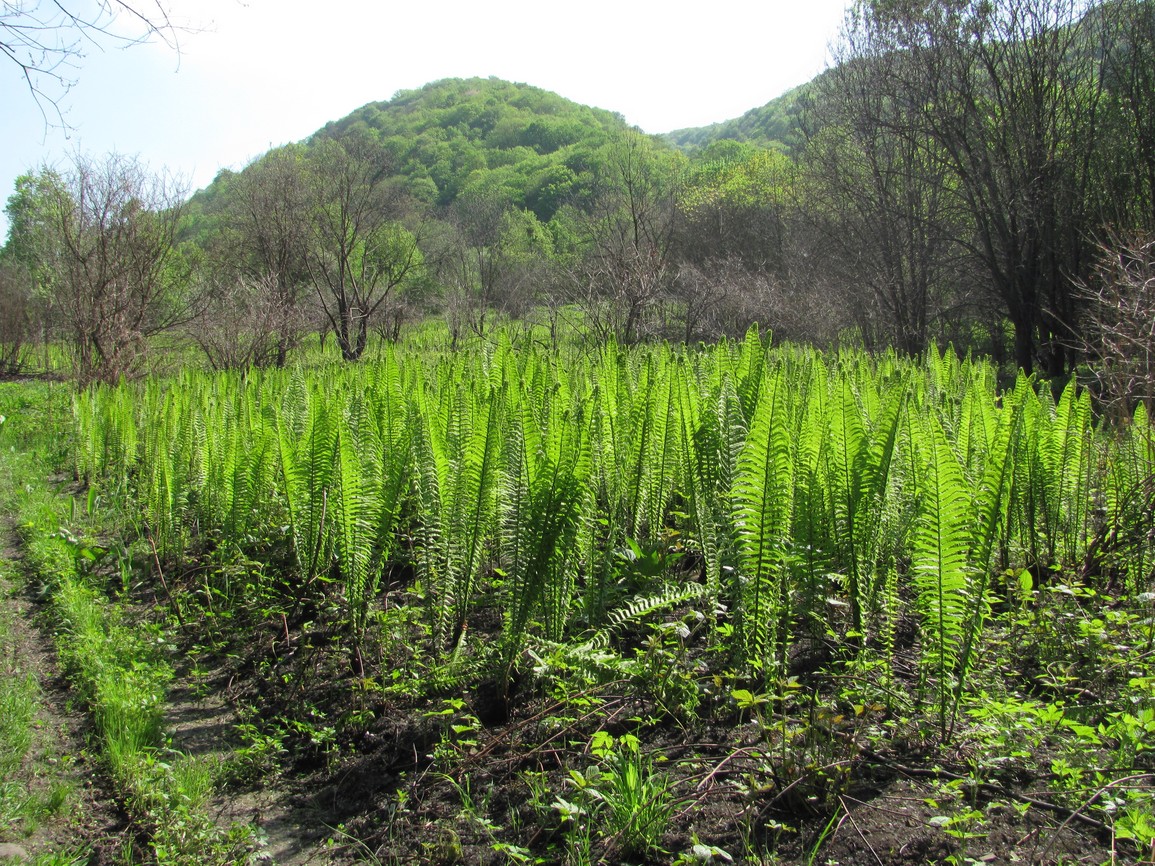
(528, 144)
(485, 133)
(774, 124)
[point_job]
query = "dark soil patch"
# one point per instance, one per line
(405, 781)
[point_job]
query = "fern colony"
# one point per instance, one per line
(809, 497)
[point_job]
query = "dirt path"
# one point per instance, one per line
(202, 723)
(82, 815)
(78, 812)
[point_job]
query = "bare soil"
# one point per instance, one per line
(390, 792)
(201, 722)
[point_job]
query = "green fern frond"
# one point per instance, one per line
(762, 498)
(939, 559)
(639, 607)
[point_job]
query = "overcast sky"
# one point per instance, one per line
(259, 73)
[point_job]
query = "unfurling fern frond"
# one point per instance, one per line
(639, 607)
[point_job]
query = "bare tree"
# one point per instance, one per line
(360, 252)
(627, 265)
(724, 297)
(268, 244)
(879, 205)
(491, 261)
(46, 39)
(110, 263)
(474, 266)
(15, 324)
(705, 295)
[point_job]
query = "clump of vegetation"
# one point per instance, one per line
(823, 565)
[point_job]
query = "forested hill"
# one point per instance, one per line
(774, 124)
(487, 111)
(527, 145)
(451, 133)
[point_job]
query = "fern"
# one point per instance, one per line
(639, 607)
(859, 463)
(990, 508)
(543, 495)
(306, 446)
(353, 499)
(749, 372)
(701, 448)
(762, 498)
(941, 571)
(475, 505)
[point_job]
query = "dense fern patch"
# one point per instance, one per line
(791, 576)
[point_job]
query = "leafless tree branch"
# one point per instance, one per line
(46, 40)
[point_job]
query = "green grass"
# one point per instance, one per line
(19, 693)
(117, 669)
(31, 792)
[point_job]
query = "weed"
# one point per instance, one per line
(632, 801)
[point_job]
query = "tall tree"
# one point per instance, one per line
(734, 205)
(359, 251)
(1005, 95)
(626, 268)
(102, 244)
(879, 198)
(270, 232)
(1127, 154)
(494, 260)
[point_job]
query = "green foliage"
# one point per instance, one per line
(548, 540)
(117, 671)
(629, 799)
(940, 564)
(456, 133)
(763, 492)
(773, 125)
(791, 497)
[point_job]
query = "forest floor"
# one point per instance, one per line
(537, 775)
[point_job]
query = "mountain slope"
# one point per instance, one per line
(506, 141)
(485, 133)
(529, 146)
(773, 125)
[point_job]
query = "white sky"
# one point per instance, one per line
(259, 73)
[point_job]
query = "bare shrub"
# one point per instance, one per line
(1118, 323)
(243, 324)
(722, 299)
